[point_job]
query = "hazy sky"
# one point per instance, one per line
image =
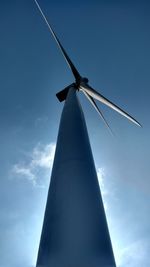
(109, 42)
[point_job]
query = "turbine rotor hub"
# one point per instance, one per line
(84, 79)
(81, 81)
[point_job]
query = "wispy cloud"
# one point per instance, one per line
(41, 120)
(41, 159)
(135, 254)
(24, 171)
(104, 192)
(101, 176)
(43, 156)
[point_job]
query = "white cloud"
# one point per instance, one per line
(101, 175)
(104, 192)
(43, 156)
(41, 159)
(24, 171)
(41, 120)
(135, 254)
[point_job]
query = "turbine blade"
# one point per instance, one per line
(98, 110)
(93, 93)
(68, 60)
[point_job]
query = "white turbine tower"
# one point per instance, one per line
(75, 231)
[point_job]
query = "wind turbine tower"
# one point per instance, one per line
(75, 231)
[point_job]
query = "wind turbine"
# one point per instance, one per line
(75, 231)
(81, 83)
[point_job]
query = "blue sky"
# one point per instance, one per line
(109, 43)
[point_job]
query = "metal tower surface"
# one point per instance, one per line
(75, 232)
